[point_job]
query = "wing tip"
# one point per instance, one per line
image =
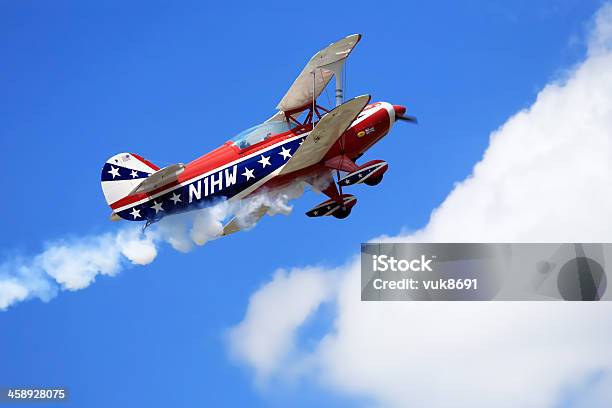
(355, 35)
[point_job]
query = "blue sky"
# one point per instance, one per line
(82, 81)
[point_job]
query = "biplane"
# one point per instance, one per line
(303, 141)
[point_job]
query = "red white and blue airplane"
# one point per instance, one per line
(272, 155)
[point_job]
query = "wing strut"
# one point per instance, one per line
(336, 68)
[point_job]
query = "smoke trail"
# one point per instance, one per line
(74, 264)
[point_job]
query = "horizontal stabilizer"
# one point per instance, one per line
(160, 178)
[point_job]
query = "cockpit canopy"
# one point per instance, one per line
(256, 134)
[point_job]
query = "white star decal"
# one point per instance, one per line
(134, 174)
(265, 161)
(176, 198)
(157, 207)
(315, 213)
(135, 213)
(285, 153)
(114, 171)
(248, 174)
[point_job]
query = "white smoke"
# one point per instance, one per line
(72, 265)
(75, 264)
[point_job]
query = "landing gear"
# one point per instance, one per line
(372, 181)
(332, 207)
(370, 173)
(149, 222)
(342, 212)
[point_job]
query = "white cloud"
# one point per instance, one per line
(461, 354)
(265, 337)
(546, 176)
(601, 32)
(596, 392)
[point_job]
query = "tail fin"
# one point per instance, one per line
(122, 173)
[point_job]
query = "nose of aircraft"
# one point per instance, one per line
(399, 110)
(400, 114)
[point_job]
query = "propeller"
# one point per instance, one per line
(407, 118)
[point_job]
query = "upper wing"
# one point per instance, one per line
(327, 131)
(300, 94)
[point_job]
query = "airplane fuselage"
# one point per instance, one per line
(231, 172)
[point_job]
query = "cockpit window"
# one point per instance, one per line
(261, 132)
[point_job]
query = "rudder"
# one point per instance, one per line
(122, 173)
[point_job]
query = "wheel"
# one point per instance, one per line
(342, 213)
(372, 181)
